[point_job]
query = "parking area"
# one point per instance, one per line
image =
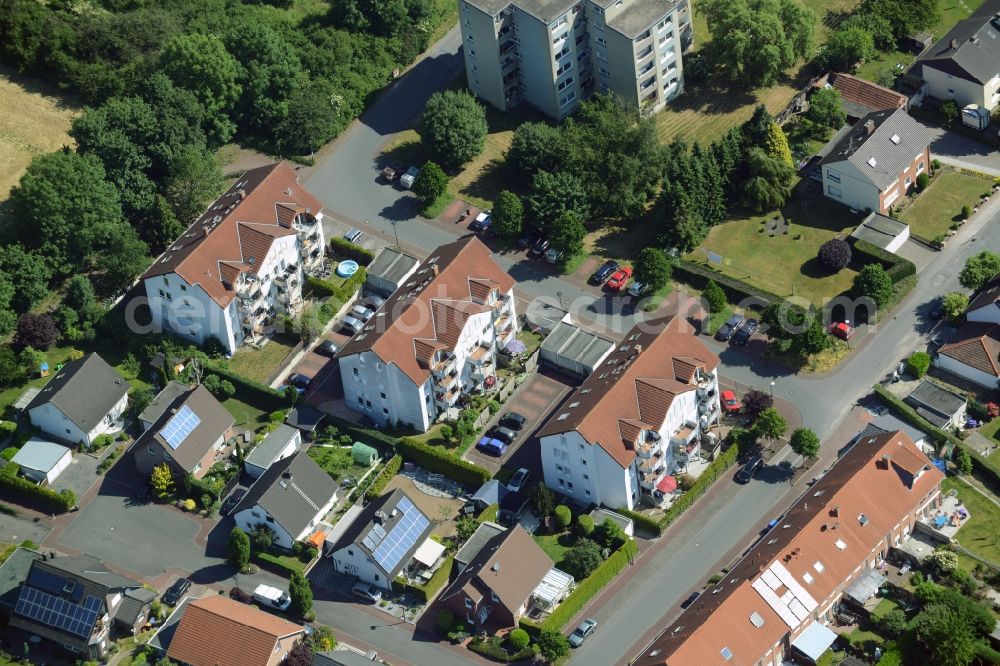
(535, 399)
(81, 473)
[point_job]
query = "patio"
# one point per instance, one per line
(949, 518)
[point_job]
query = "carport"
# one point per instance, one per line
(814, 641)
(574, 351)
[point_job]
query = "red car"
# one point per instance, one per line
(842, 330)
(730, 403)
(619, 278)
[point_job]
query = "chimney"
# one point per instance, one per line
(52, 554)
(835, 511)
(435, 270)
(638, 349)
(241, 194)
(870, 126)
(886, 459)
(953, 44)
(45, 557)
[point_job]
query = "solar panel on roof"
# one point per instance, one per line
(402, 538)
(379, 531)
(52, 611)
(180, 426)
(368, 543)
(44, 580)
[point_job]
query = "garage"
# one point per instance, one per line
(574, 351)
(883, 232)
(42, 461)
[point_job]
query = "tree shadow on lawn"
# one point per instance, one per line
(713, 97)
(814, 269)
(488, 184)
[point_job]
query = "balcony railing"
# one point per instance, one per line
(481, 354)
(644, 53)
(683, 435)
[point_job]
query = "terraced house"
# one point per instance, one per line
(638, 418)
(241, 263)
(552, 54)
(434, 339)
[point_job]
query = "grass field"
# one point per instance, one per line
(708, 111)
(336, 460)
(556, 545)
(34, 119)
(940, 206)
(981, 533)
(258, 364)
(785, 264)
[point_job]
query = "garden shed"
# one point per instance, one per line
(363, 454)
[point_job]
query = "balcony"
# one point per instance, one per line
(507, 46)
(645, 68)
(684, 435)
(645, 53)
(648, 480)
(647, 84)
(445, 399)
(653, 465)
(481, 355)
(447, 381)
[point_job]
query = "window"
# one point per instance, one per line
(602, 41)
(833, 191)
(184, 287)
(570, 485)
(560, 38)
(376, 577)
(197, 468)
(368, 403)
(920, 167)
(385, 410)
(269, 519)
(470, 38)
(472, 53)
(255, 514)
(468, 23)
(383, 395)
(361, 400)
(588, 492)
(561, 482)
(356, 373)
(891, 196)
(468, 602)
(149, 449)
(582, 461)
(568, 65)
(166, 282)
(493, 595)
(907, 181)
(586, 476)
(350, 552)
(833, 175)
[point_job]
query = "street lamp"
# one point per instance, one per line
(631, 550)
(772, 390)
(395, 233)
(559, 296)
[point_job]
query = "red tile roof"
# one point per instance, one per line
(430, 309)
(866, 94)
(236, 231)
(832, 530)
(217, 631)
(977, 345)
(633, 387)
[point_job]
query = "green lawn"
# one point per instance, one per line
(556, 545)
(258, 364)
(940, 206)
(246, 415)
(981, 534)
(785, 264)
(991, 430)
(950, 12)
(336, 460)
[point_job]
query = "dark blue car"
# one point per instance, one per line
(492, 446)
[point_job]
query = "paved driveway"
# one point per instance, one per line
(534, 400)
(80, 475)
(958, 150)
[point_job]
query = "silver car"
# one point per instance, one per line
(581, 633)
(361, 312)
(351, 324)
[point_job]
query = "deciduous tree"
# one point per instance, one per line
(508, 215)
(563, 516)
(979, 268)
(552, 644)
(552, 194)
(431, 183)
(755, 402)
(35, 330)
(200, 63)
(270, 71)
(567, 233)
(453, 128)
(162, 481)
(776, 145)
(826, 108)
(804, 442)
(847, 46)
(543, 500)
(195, 180)
(300, 593)
(769, 424)
(769, 181)
(652, 268)
(535, 147)
(714, 296)
(28, 274)
(872, 281)
(239, 549)
(835, 254)
(581, 560)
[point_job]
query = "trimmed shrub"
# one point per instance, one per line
(383, 478)
(835, 254)
(896, 266)
(519, 639)
(276, 564)
(441, 462)
(966, 211)
(736, 290)
(344, 249)
(584, 525)
(236, 594)
(58, 501)
(563, 516)
(918, 364)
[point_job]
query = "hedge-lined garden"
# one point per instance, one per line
(428, 591)
(11, 484)
(437, 460)
(383, 478)
(341, 248)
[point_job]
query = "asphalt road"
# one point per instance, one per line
(347, 183)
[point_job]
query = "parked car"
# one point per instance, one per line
(690, 600)
(327, 348)
(392, 171)
(730, 403)
(581, 633)
(512, 420)
(842, 330)
(505, 435)
(601, 275)
(233, 500)
(527, 239)
(540, 247)
(750, 469)
(619, 278)
(553, 255)
(726, 330)
(374, 301)
(362, 312)
(406, 180)
(745, 331)
(351, 324)
(272, 597)
(353, 236)
(519, 480)
(299, 381)
(176, 591)
(635, 289)
(491, 446)
(482, 221)
(367, 592)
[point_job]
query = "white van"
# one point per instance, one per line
(272, 597)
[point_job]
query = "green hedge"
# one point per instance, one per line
(344, 249)
(493, 649)
(425, 593)
(269, 560)
(19, 486)
(698, 276)
(642, 521)
(383, 478)
(380, 440)
(587, 589)
(438, 461)
(896, 266)
(990, 467)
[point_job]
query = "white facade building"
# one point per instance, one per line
(434, 339)
(637, 420)
(964, 65)
(241, 263)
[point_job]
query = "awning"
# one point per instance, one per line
(667, 484)
(865, 586)
(553, 588)
(814, 641)
(515, 346)
(428, 553)
(316, 539)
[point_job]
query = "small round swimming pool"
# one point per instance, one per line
(347, 268)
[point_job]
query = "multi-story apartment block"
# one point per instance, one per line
(553, 53)
(773, 606)
(240, 263)
(433, 340)
(636, 420)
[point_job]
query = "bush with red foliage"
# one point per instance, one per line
(992, 410)
(236, 594)
(38, 331)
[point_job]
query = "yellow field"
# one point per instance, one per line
(34, 119)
